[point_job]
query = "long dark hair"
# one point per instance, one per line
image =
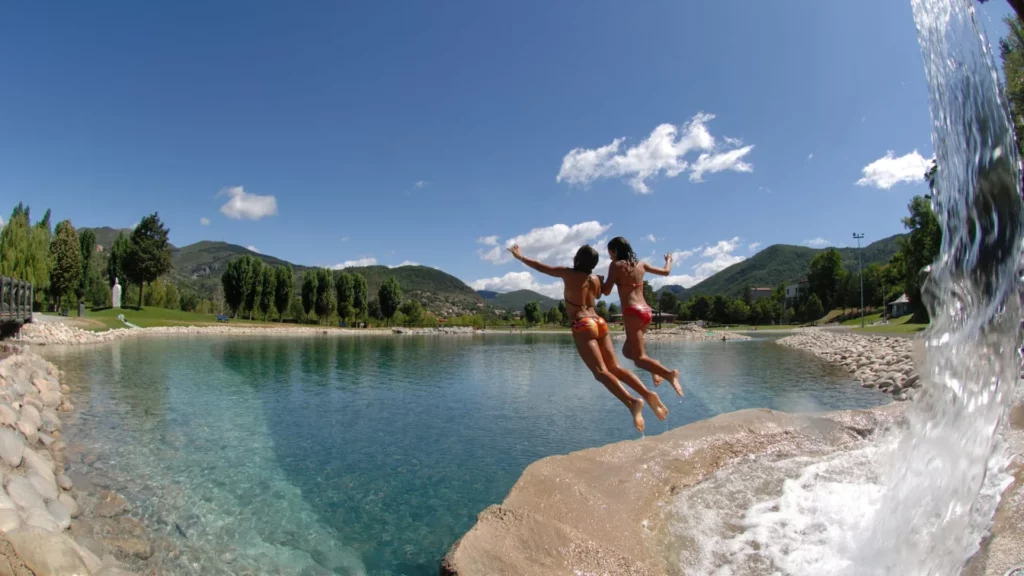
(586, 259)
(622, 250)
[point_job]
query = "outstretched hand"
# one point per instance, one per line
(668, 259)
(515, 252)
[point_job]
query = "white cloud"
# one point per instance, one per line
(713, 259)
(684, 280)
(253, 249)
(405, 263)
(753, 246)
(518, 281)
(661, 152)
(487, 240)
(888, 170)
(650, 238)
(421, 183)
(683, 255)
(554, 244)
(368, 261)
(246, 206)
(817, 242)
(204, 221)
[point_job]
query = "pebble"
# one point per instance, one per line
(111, 504)
(64, 482)
(60, 513)
(877, 362)
(70, 504)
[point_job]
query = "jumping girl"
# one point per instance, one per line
(590, 332)
(627, 272)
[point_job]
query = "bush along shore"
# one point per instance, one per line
(38, 500)
(876, 361)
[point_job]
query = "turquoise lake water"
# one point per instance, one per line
(373, 454)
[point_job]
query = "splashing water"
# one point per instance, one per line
(920, 500)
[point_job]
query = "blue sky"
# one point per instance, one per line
(330, 132)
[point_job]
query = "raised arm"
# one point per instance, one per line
(556, 271)
(608, 283)
(660, 271)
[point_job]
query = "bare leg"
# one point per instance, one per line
(634, 350)
(631, 380)
(591, 354)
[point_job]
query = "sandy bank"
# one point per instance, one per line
(688, 333)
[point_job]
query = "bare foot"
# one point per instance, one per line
(675, 382)
(637, 409)
(657, 380)
(660, 410)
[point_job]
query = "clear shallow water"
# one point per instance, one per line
(290, 456)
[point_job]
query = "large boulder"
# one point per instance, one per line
(8, 416)
(12, 447)
(24, 494)
(31, 415)
(45, 487)
(39, 463)
(46, 553)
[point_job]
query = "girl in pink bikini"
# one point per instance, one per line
(627, 272)
(591, 332)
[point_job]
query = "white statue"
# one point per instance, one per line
(115, 294)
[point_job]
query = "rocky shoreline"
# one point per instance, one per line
(688, 333)
(39, 503)
(884, 363)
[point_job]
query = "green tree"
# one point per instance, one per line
(613, 310)
(555, 317)
(360, 295)
(269, 293)
(284, 285)
(825, 276)
(189, 300)
(373, 310)
(87, 243)
(116, 262)
(309, 288)
(149, 254)
(920, 247)
(172, 299)
(295, 309)
(701, 307)
(325, 303)
(667, 301)
(737, 311)
(1011, 48)
(532, 312)
(812, 310)
(344, 285)
(561, 309)
(601, 308)
(412, 310)
(389, 297)
(66, 275)
(720, 309)
(254, 283)
(234, 281)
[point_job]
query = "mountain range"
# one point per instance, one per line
(201, 264)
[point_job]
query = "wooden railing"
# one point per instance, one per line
(15, 300)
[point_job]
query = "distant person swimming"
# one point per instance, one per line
(627, 272)
(590, 332)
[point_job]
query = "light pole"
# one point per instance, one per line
(860, 266)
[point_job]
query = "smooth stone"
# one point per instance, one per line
(33, 402)
(50, 399)
(31, 415)
(913, 381)
(46, 553)
(23, 494)
(12, 447)
(64, 482)
(896, 388)
(41, 518)
(9, 520)
(113, 571)
(5, 568)
(70, 504)
(44, 385)
(901, 397)
(8, 417)
(46, 488)
(42, 464)
(137, 547)
(885, 383)
(91, 560)
(45, 439)
(60, 514)
(65, 389)
(111, 504)
(49, 420)
(28, 431)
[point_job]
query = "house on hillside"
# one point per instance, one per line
(796, 292)
(899, 307)
(759, 293)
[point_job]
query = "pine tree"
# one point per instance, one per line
(66, 275)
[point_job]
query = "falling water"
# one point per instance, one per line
(921, 499)
(944, 477)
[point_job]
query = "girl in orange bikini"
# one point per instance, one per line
(590, 332)
(627, 272)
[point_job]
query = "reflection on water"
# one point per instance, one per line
(282, 455)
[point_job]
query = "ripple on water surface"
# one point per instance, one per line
(371, 455)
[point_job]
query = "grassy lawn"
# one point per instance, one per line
(891, 328)
(150, 316)
(766, 327)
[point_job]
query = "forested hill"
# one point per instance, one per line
(436, 290)
(517, 299)
(782, 263)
